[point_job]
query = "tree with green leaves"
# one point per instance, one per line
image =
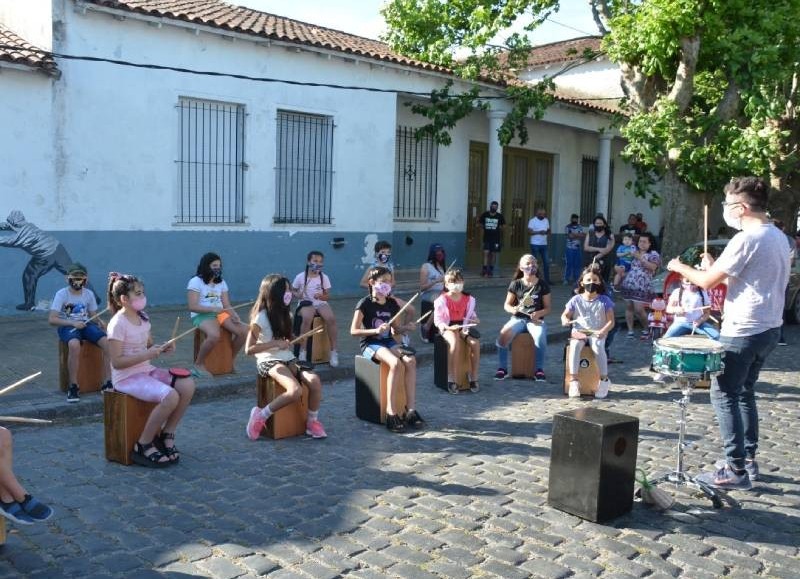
(710, 86)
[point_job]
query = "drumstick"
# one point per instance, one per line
(713, 319)
(240, 305)
(451, 265)
(21, 382)
(425, 315)
(24, 420)
(178, 337)
(97, 315)
(308, 333)
(705, 228)
(175, 327)
(401, 310)
(462, 326)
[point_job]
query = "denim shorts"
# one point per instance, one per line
(91, 333)
(370, 350)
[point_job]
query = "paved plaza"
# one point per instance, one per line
(466, 497)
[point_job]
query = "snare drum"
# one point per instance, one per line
(690, 356)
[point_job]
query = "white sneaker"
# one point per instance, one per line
(602, 388)
(574, 389)
(334, 359)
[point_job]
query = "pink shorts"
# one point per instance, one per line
(150, 387)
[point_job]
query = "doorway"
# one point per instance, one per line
(476, 202)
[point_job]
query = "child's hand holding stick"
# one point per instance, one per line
(307, 334)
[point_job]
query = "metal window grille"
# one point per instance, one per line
(415, 176)
(304, 172)
(211, 162)
(589, 189)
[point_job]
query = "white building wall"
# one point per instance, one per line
(598, 77)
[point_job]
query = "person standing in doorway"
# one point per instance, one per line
(755, 264)
(573, 253)
(539, 230)
(492, 223)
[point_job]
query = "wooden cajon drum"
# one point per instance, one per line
(288, 421)
(371, 391)
(461, 368)
(220, 358)
(523, 356)
(588, 373)
(124, 418)
(319, 345)
(90, 367)
(2, 531)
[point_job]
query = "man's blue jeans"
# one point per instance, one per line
(540, 253)
(733, 395)
(573, 258)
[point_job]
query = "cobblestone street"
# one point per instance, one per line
(466, 497)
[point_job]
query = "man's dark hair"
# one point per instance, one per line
(753, 190)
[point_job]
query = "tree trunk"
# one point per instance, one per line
(682, 214)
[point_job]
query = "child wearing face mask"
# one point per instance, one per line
(625, 252)
(268, 340)
(528, 302)
(209, 302)
(383, 258)
(591, 315)
(312, 287)
(371, 323)
(431, 284)
(451, 311)
(131, 348)
(71, 310)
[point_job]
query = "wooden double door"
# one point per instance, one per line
(527, 184)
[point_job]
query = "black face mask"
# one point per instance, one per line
(599, 229)
(592, 288)
(217, 273)
(76, 284)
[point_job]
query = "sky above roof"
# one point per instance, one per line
(362, 17)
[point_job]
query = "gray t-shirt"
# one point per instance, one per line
(757, 264)
(590, 314)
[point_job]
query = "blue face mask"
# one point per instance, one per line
(384, 257)
(315, 267)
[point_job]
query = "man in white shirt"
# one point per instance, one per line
(755, 264)
(539, 230)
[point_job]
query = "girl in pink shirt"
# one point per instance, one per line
(452, 310)
(131, 348)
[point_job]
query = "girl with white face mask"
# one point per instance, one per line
(528, 302)
(372, 323)
(451, 312)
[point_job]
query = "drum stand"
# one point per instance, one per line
(679, 477)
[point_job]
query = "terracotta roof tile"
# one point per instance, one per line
(562, 51)
(219, 14)
(26, 54)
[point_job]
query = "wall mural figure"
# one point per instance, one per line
(46, 252)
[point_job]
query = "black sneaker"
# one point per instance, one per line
(72, 393)
(452, 388)
(107, 387)
(414, 420)
(394, 423)
(500, 374)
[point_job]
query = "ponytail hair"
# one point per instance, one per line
(119, 285)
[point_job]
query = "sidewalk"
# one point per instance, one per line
(31, 344)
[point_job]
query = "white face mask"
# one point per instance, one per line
(455, 287)
(730, 221)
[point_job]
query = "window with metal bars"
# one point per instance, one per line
(589, 189)
(210, 162)
(415, 177)
(304, 171)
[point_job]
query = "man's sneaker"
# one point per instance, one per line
(256, 423)
(72, 393)
(394, 423)
(107, 387)
(574, 389)
(539, 376)
(13, 511)
(414, 420)
(751, 466)
(36, 510)
(500, 374)
(314, 429)
(726, 478)
(602, 388)
(334, 362)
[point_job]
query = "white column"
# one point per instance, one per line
(494, 188)
(603, 173)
